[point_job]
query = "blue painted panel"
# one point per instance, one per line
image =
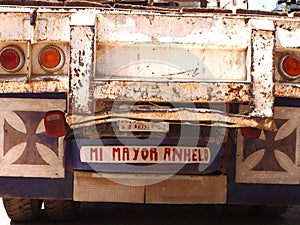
(35, 95)
(289, 102)
(37, 187)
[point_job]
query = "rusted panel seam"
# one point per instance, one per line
(287, 90)
(172, 91)
(34, 86)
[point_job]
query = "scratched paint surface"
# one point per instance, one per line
(197, 48)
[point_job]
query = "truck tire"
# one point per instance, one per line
(271, 210)
(61, 210)
(22, 209)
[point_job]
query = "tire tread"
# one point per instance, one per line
(61, 210)
(22, 209)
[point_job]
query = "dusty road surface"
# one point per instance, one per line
(127, 214)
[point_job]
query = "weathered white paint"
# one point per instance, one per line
(261, 24)
(172, 91)
(81, 68)
(84, 18)
(130, 27)
(167, 61)
(202, 34)
(288, 33)
(262, 73)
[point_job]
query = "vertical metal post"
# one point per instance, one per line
(262, 68)
(81, 63)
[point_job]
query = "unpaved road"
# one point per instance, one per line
(126, 214)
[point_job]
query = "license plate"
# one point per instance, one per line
(142, 126)
(144, 154)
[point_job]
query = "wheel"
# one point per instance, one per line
(271, 210)
(22, 209)
(61, 210)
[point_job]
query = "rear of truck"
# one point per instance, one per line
(147, 105)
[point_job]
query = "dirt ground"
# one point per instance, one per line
(133, 214)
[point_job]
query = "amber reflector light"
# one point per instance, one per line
(290, 67)
(51, 58)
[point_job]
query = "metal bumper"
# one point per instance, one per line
(177, 115)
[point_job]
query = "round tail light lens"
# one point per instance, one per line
(11, 59)
(290, 67)
(51, 58)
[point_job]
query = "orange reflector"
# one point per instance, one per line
(250, 132)
(290, 67)
(55, 124)
(51, 58)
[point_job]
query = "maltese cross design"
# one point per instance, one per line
(30, 154)
(269, 162)
(274, 157)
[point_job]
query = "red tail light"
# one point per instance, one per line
(290, 67)
(250, 132)
(11, 59)
(55, 124)
(51, 58)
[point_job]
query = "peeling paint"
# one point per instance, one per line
(287, 90)
(237, 51)
(130, 27)
(172, 91)
(81, 68)
(34, 87)
(262, 72)
(288, 33)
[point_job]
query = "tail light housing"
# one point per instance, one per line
(55, 123)
(289, 67)
(51, 58)
(11, 58)
(250, 132)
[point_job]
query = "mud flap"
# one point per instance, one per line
(273, 158)
(25, 149)
(267, 170)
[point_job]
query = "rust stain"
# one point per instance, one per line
(287, 90)
(172, 91)
(34, 87)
